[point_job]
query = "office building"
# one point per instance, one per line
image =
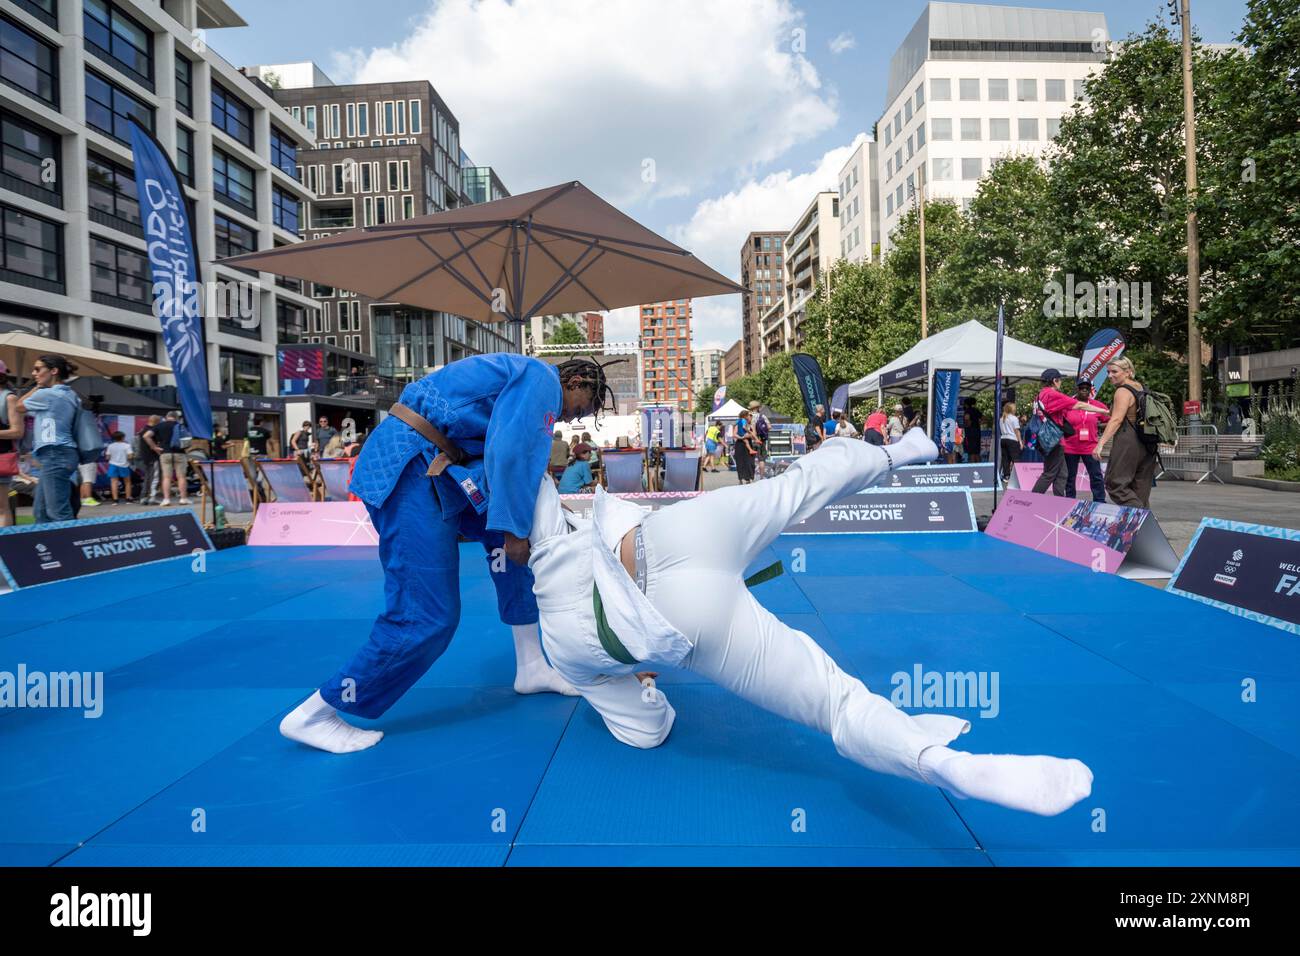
(761, 261)
(706, 369)
(733, 360)
(73, 263)
(972, 83)
(666, 352)
(809, 250)
(860, 205)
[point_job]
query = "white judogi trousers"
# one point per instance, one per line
(696, 554)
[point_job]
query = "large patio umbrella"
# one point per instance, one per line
(560, 249)
(19, 349)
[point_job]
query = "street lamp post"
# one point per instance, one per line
(1193, 241)
(918, 192)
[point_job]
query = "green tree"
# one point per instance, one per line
(1250, 193)
(945, 229)
(567, 333)
(854, 330)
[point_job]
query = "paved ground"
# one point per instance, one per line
(1179, 505)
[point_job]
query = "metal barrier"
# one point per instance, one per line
(1194, 452)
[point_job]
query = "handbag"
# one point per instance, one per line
(1047, 432)
(8, 464)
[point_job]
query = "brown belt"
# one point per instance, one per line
(452, 454)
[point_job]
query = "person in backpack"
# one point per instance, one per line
(761, 430)
(1133, 457)
(1052, 404)
(54, 446)
(12, 427)
(165, 439)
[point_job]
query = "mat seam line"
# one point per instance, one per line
(578, 701)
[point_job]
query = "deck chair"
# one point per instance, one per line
(682, 470)
(624, 470)
(334, 476)
(226, 483)
(285, 478)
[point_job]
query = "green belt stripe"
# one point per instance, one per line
(614, 647)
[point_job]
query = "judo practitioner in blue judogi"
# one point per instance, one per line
(462, 453)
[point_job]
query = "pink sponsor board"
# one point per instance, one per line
(328, 523)
(1025, 473)
(1104, 537)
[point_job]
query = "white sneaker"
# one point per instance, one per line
(164, 503)
(185, 501)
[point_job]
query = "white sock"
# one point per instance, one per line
(913, 448)
(317, 724)
(533, 675)
(1043, 785)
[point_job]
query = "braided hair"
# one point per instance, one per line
(578, 370)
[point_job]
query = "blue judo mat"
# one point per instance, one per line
(185, 765)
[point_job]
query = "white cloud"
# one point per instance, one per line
(843, 42)
(553, 90)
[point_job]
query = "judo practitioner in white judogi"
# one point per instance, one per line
(625, 591)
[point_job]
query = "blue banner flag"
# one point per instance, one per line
(1104, 347)
(947, 386)
(719, 397)
(840, 400)
(811, 384)
(174, 268)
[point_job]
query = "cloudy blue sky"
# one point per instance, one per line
(746, 107)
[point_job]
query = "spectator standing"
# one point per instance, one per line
(876, 426)
(844, 427)
(325, 433)
(55, 406)
(300, 441)
(712, 442)
(217, 446)
(559, 455)
(172, 460)
(119, 465)
(577, 477)
(1132, 462)
(761, 430)
(972, 422)
(744, 449)
(12, 428)
(1080, 446)
(1052, 404)
(815, 431)
(149, 462)
(1009, 437)
(897, 424)
(258, 436)
(910, 417)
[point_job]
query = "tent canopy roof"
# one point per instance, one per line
(116, 400)
(972, 348)
(729, 409)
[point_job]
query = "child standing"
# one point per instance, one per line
(119, 469)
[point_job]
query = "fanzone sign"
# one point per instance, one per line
(43, 554)
(1250, 570)
(884, 511)
(976, 477)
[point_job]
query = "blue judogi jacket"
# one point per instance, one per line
(501, 410)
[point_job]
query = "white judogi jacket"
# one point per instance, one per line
(572, 555)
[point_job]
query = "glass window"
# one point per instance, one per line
(110, 109)
(972, 129)
(31, 245)
(898, 123)
(363, 119)
(309, 119)
(241, 372)
(231, 116)
(920, 96)
(29, 155)
(184, 85)
(1078, 89)
(284, 209)
(941, 129)
(1053, 128)
(232, 238)
(1028, 129)
(416, 126)
(940, 89)
(28, 64)
(942, 169)
(290, 323)
(999, 90)
(1000, 130)
(113, 35)
(124, 341)
(969, 89)
(1054, 91)
(233, 182)
(284, 153)
(971, 168)
(889, 168)
(185, 154)
(119, 272)
(898, 196)
(907, 111)
(1026, 90)
(910, 150)
(889, 134)
(920, 136)
(111, 188)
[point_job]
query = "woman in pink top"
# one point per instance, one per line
(1054, 404)
(1080, 446)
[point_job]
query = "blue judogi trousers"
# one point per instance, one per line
(421, 558)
